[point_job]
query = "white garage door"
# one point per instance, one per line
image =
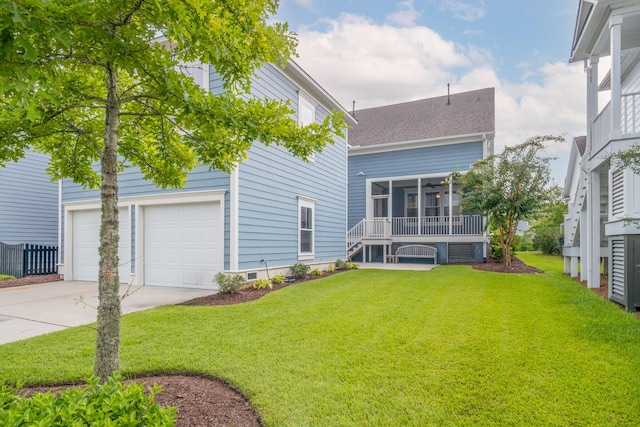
(183, 244)
(86, 241)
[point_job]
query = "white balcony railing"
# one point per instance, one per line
(630, 114)
(629, 121)
(602, 129)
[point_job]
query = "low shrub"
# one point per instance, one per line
(229, 284)
(341, 265)
(299, 270)
(278, 279)
(262, 284)
(316, 272)
(94, 404)
(331, 268)
(352, 266)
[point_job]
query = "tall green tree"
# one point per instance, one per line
(508, 187)
(92, 84)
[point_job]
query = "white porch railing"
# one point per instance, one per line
(630, 114)
(378, 228)
(355, 234)
(382, 228)
(629, 120)
(438, 225)
(602, 128)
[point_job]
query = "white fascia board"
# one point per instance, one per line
(408, 145)
(153, 199)
(303, 80)
(591, 33)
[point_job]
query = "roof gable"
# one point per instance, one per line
(465, 114)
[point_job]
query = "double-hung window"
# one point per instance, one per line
(306, 227)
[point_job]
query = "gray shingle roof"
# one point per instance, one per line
(469, 113)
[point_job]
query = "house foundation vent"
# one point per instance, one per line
(252, 276)
(625, 271)
(617, 269)
(461, 251)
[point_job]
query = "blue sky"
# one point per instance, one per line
(388, 51)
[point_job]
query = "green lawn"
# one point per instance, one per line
(5, 277)
(451, 346)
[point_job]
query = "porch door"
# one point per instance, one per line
(432, 203)
(381, 207)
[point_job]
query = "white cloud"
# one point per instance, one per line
(406, 15)
(357, 59)
(378, 64)
(464, 10)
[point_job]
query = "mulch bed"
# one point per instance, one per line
(247, 293)
(29, 280)
(496, 266)
(200, 401)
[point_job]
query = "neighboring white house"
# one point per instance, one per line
(604, 202)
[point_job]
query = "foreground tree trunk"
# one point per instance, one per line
(108, 340)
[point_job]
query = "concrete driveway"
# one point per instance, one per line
(28, 311)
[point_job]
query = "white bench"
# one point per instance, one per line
(416, 251)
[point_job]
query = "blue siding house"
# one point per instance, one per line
(273, 211)
(29, 202)
(400, 159)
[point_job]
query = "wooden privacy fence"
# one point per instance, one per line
(28, 260)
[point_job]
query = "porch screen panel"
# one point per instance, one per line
(432, 204)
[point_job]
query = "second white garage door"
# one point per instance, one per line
(183, 244)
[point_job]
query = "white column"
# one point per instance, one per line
(574, 266)
(615, 29)
(450, 206)
(592, 100)
(593, 232)
(584, 245)
(390, 206)
(419, 210)
(567, 264)
(234, 203)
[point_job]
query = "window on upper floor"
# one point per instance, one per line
(306, 114)
(306, 110)
(199, 72)
(306, 227)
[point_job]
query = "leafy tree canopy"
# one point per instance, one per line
(91, 82)
(627, 159)
(56, 55)
(509, 187)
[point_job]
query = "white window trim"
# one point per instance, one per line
(306, 202)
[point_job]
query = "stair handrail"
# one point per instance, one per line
(355, 234)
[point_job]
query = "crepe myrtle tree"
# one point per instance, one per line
(508, 187)
(88, 83)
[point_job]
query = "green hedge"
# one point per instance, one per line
(110, 404)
